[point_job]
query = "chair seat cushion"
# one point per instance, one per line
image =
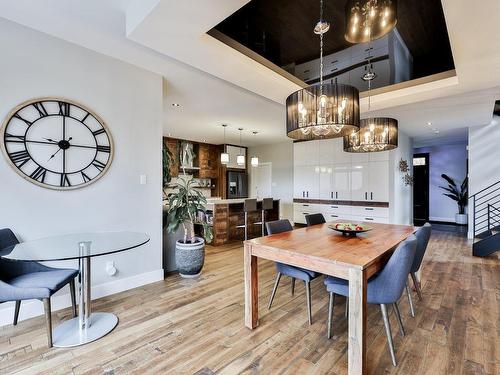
(51, 280)
(296, 272)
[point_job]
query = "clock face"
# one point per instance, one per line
(56, 143)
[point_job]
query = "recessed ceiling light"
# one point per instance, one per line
(176, 105)
(436, 131)
(429, 123)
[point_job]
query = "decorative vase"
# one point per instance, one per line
(189, 257)
(461, 219)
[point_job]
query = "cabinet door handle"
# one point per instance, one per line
(307, 195)
(331, 194)
(334, 206)
(369, 218)
(366, 196)
(333, 70)
(305, 205)
(371, 195)
(303, 194)
(333, 216)
(335, 61)
(337, 194)
(368, 209)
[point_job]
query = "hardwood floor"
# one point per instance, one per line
(196, 326)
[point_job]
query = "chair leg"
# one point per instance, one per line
(73, 297)
(293, 286)
(331, 302)
(246, 226)
(346, 307)
(388, 333)
(308, 297)
(16, 312)
(48, 318)
(410, 300)
(398, 316)
(417, 285)
(276, 283)
(263, 223)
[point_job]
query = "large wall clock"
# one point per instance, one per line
(56, 143)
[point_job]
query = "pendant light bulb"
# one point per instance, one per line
(224, 156)
(240, 159)
(254, 160)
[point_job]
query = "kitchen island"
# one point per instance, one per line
(228, 214)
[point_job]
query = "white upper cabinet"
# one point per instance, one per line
(359, 181)
(378, 187)
(326, 182)
(306, 153)
(342, 182)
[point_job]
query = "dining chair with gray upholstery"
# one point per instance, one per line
(280, 226)
(23, 280)
(423, 235)
(314, 219)
(384, 288)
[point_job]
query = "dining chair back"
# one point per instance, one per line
(314, 219)
(281, 226)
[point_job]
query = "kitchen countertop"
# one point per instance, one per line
(230, 201)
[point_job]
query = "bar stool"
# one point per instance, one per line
(267, 204)
(250, 205)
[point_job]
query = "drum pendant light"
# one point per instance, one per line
(325, 110)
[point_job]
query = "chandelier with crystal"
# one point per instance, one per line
(325, 110)
(369, 19)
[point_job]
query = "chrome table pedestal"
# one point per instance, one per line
(88, 326)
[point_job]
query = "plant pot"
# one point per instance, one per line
(189, 257)
(461, 219)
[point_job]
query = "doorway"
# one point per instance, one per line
(261, 181)
(420, 189)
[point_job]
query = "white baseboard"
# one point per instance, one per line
(32, 308)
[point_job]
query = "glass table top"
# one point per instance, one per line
(68, 246)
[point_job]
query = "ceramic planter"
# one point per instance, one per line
(189, 257)
(461, 219)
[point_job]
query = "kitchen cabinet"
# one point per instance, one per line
(306, 182)
(208, 161)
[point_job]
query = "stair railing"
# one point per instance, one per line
(486, 215)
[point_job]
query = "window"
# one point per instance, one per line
(419, 161)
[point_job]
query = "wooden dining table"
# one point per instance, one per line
(321, 249)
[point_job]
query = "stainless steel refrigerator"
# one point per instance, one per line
(237, 186)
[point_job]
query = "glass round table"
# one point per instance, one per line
(88, 326)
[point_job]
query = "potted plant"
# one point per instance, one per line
(183, 208)
(458, 195)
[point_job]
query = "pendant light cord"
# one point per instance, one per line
(321, 50)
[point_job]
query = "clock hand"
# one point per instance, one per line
(54, 154)
(48, 139)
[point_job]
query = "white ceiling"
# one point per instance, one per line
(215, 84)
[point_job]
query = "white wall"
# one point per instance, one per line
(129, 100)
(451, 160)
(484, 158)
(400, 196)
(280, 155)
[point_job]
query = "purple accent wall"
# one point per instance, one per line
(451, 160)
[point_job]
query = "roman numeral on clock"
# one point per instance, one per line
(64, 180)
(41, 109)
(27, 122)
(14, 138)
(20, 158)
(99, 165)
(64, 108)
(104, 149)
(85, 177)
(39, 174)
(97, 132)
